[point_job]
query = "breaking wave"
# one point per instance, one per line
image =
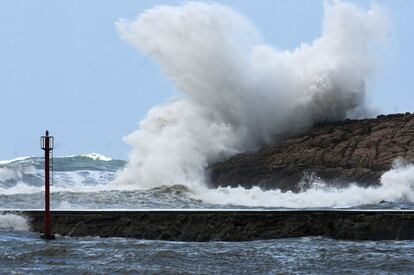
(70, 173)
(396, 185)
(239, 93)
(96, 189)
(12, 222)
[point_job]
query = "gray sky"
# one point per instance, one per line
(63, 67)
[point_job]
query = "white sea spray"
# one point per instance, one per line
(13, 222)
(239, 93)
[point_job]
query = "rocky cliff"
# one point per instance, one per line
(338, 153)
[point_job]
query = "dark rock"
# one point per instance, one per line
(230, 225)
(339, 153)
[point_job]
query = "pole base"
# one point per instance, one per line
(47, 237)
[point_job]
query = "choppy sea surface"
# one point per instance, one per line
(86, 182)
(24, 253)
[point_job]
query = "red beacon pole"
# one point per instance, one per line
(47, 145)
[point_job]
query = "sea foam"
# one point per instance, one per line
(12, 222)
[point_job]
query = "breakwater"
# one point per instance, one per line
(227, 225)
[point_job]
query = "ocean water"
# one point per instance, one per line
(87, 182)
(24, 253)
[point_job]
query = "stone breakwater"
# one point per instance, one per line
(229, 225)
(338, 153)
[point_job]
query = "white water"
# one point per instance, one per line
(397, 185)
(12, 160)
(16, 172)
(24, 188)
(78, 181)
(96, 156)
(93, 156)
(11, 222)
(239, 93)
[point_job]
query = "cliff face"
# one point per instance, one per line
(339, 153)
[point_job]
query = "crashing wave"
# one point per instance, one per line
(12, 222)
(239, 93)
(26, 175)
(2, 162)
(96, 156)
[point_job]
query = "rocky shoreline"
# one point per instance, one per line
(338, 153)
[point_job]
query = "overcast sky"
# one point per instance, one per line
(64, 68)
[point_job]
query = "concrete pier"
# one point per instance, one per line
(227, 225)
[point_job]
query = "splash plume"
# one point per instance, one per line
(239, 93)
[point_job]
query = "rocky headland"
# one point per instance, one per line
(339, 153)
